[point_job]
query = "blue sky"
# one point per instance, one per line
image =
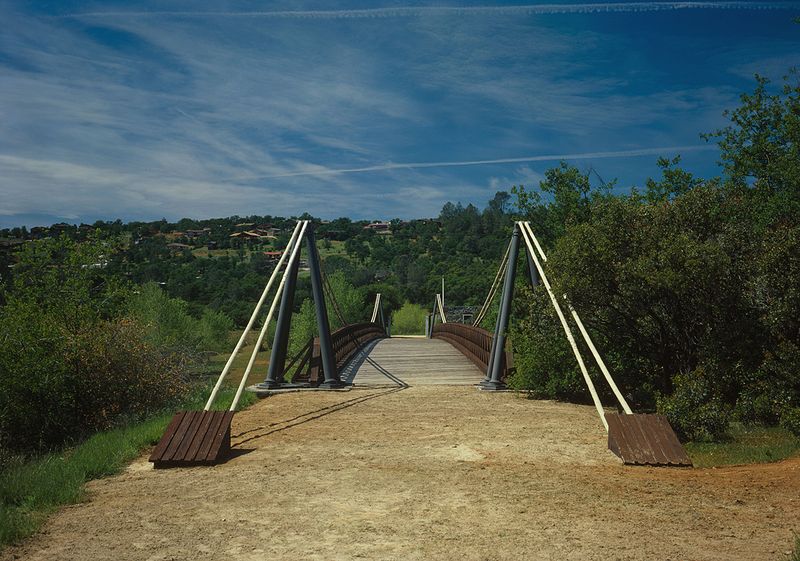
(142, 110)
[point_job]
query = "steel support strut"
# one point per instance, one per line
(488, 377)
(533, 274)
(277, 361)
(323, 325)
(494, 370)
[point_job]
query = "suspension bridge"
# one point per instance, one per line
(364, 355)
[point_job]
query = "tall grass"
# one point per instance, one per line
(745, 445)
(30, 490)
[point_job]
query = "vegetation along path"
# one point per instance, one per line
(425, 472)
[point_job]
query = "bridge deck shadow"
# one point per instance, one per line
(403, 362)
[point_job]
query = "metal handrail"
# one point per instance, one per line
(346, 341)
(474, 342)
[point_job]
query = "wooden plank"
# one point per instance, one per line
(162, 445)
(206, 418)
(630, 441)
(671, 445)
(188, 437)
(178, 438)
(644, 450)
(416, 361)
(614, 429)
(659, 445)
(221, 443)
(205, 446)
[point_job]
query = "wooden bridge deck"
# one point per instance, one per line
(410, 361)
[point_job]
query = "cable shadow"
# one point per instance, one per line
(386, 373)
(318, 414)
(299, 416)
(351, 368)
(362, 357)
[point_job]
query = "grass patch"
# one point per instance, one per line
(795, 555)
(31, 490)
(745, 445)
(336, 248)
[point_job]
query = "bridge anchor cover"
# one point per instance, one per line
(194, 438)
(645, 439)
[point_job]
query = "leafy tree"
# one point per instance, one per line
(70, 361)
(762, 143)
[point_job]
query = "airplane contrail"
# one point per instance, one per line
(464, 163)
(421, 11)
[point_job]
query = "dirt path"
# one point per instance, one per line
(425, 473)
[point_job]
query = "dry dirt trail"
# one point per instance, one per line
(426, 472)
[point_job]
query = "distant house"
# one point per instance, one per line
(251, 236)
(59, 228)
(7, 244)
(273, 255)
(178, 246)
(378, 226)
(269, 233)
(38, 232)
(460, 314)
(193, 234)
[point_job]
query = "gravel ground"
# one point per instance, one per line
(426, 472)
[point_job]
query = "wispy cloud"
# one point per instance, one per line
(320, 171)
(377, 112)
(434, 11)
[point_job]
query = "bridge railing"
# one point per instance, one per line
(345, 341)
(474, 342)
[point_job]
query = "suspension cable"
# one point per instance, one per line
(441, 308)
(595, 398)
(493, 289)
(265, 327)
(376, 307)
(585, 334)
(326, 286)
(250, 323)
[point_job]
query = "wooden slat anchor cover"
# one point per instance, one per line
(194, 438)
(644, 439)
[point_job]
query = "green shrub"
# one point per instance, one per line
(790, 420)
(71, 363)
(60, 385)
(543, 359)
(694, 410)
(409, 320)
(214, 330)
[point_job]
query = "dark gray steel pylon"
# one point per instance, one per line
(280, 343)
(332, 379)
(494, 369)
(277, 361)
